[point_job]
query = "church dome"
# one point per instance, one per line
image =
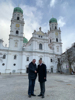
(53, 20)
(18, 9)
(25, 40)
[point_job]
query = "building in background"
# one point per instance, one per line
(19, 54)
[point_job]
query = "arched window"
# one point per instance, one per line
(51, 60)
(18, 18)
(41, 36)
(40, 58)
(27, 58)
(15, 56)
(50, 40)
(56, 39)
(17, 32)
(40, 46)
(55, 27)
(4, 56)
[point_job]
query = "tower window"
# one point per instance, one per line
(15, 56)
(27, 58)
(17, 32)
(50, 40)
(55, 27)
(3, 64)
(56, 39)
(51, 60)
(18, 18)
(14, 64)
(40, 46)
(4, 56)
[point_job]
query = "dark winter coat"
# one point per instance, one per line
(31, 71)
(41, 73)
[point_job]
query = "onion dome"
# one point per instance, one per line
(53, 20)
(18, 9)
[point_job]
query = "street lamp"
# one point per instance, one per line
(1, 56)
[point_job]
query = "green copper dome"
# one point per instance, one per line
(25, 40)
(53, 20)
(18, 9)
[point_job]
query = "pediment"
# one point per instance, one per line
(40, 33)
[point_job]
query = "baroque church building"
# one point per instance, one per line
(45, 46)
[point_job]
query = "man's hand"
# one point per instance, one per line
(44, 77)
(35, 71)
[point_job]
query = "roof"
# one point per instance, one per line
(18, 9)
(53, 20)
(25, 40)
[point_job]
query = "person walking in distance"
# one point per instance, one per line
(41, 77)
(32, 74)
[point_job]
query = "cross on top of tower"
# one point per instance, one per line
(18, 3)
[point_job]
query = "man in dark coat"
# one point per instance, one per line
(32, 74)
(41, 77)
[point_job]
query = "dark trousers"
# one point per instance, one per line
(42, 88)
(31, 86)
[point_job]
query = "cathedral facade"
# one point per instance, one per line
(45, 46)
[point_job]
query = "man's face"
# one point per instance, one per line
(40, 61)
(34, 61)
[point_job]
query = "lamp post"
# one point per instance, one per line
(1, 56)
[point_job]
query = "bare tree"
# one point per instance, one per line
(1, 56)
(69, 58)
(59, 65)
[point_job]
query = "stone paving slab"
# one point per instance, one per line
(58, 87)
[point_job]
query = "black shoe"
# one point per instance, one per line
(33, 94)
(40, 95)
(29, 96)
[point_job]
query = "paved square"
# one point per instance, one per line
(58, 87)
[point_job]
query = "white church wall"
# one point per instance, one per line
(31, 49)
(24, 64)
(3, 63)
(11, 61)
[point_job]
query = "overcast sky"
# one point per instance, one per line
(38, 13)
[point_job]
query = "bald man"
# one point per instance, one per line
(32, 74)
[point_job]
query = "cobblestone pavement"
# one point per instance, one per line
(58, 87)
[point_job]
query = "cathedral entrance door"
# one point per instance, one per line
(51, 70)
